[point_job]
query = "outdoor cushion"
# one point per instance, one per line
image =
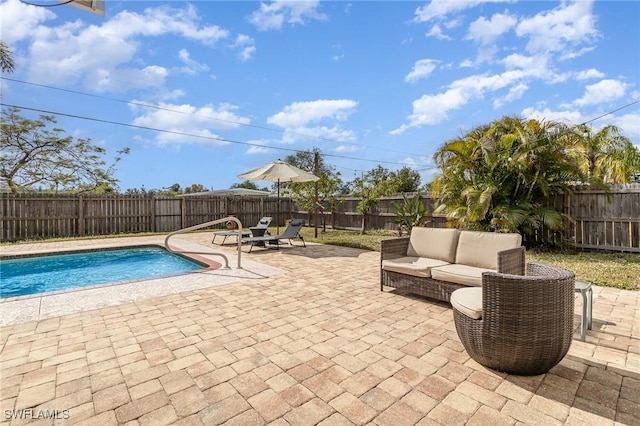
(468, 301)
(481, 248)
(460, 274)
(433, 243)
(415, 266)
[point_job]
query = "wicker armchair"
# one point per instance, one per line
(526, 325)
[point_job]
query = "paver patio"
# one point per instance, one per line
(315, 342)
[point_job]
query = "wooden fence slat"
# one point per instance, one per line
(610, 222)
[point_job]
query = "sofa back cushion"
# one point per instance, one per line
(433, 243)
(481, 249)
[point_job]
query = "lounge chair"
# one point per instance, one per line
(517, 324)
(262, 224)
(290, 233)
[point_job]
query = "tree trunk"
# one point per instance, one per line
(364, 223)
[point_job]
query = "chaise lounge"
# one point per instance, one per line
(434, 262)
(290, 233)
(262, 224)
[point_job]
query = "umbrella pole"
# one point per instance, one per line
(278, 210)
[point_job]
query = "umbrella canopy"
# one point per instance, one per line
(279, 171)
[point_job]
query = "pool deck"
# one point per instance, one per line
(298, 336)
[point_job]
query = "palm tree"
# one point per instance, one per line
(501, 177)
(6, 58)
(605, 156)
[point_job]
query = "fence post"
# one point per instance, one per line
(153, 213)
(80, 216)
(183, 212)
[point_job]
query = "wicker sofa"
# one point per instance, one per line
(434, 262)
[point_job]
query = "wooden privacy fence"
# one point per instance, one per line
(39, 216)
(600, 221)
(609, 222)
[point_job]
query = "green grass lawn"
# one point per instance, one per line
(620, 270)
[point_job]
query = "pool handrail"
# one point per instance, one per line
(204, 225)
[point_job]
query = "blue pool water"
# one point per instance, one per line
(33, 275)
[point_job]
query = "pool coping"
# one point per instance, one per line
(207, 264)
(21, 309)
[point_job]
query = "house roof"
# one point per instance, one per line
(231, 192)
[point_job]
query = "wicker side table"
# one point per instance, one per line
(584, 288)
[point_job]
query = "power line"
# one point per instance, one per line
(611, 112)
(255, 126)
(140, 104)
(174, 132)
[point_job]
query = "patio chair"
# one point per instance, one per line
(517, 324)
(262, 224)
(290, 233)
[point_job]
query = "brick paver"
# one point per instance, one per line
(319, 344)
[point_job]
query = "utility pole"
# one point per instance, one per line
(316, 171)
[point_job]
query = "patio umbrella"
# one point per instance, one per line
(279, 171)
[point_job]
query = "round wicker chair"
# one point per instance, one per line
(526, 325)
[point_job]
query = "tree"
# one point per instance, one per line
(404, 180)
(500, 177)
(193, 188)
(370, 187)
(328, 185)
(141, 191)
(409, 214)
(35, 156)
(605, 156)
(247, 184)
(6, 58)
(174, 189)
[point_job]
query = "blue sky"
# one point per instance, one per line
(233, 85)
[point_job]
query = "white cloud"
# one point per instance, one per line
(441, 8)
(186, 120)
(274, 15)
(487, 31)
(315, 119)
(568, 117)
(103, 80)
(258, 147)
(560, 30)
(93, 54)
(246, 47)
(436, 32)
(300, 114)
(421, 69)
(630, 126)
(589, 74)
(347, 149)
(191, 67)
(19, 20)
(333, 133)
(602, 92)
(629, 123)
(515, 93)
(433, 109)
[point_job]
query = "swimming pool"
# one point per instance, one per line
(40, 274)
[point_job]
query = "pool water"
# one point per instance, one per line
(34, 275)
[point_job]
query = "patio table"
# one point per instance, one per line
(584, 288)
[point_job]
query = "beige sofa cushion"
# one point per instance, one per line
(459, 274)
(433, 243)
(468, 301)
(415, 266)
(481, 248)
